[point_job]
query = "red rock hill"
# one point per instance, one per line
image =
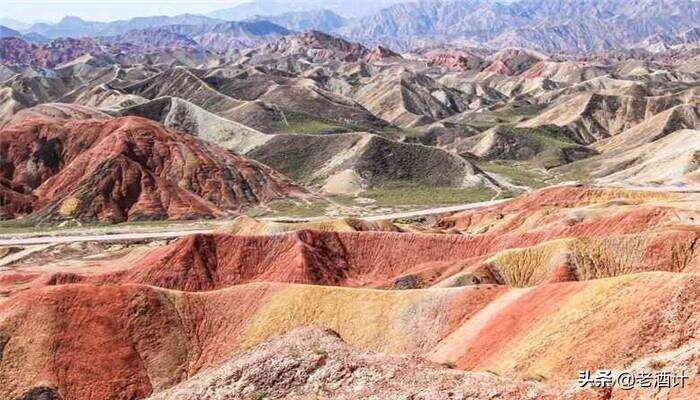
(125, 169)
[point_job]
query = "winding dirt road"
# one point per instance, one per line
(163, 233)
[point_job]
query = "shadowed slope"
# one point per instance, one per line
(591, 117)
(181, 115)
(350, 163)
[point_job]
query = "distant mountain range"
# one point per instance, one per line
(220, 37)
(77, 27)
(13, 23)
(348, 9)
(194, 42)
(550, 25)
(8, 32)
(320, 20)
(546, 25)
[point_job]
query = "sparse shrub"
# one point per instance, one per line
(408, 282)
(69, 206)
(318, 351)
(257, 396)
(536, 377)
(657, 364)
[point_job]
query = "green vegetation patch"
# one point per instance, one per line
(290, 209)
(547, 147)
(517, 173)
(296, 122)
(427, 196)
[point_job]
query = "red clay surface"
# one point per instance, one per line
(125, 169)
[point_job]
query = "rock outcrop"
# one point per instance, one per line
(139, 340)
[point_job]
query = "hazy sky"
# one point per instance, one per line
(106, 10)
